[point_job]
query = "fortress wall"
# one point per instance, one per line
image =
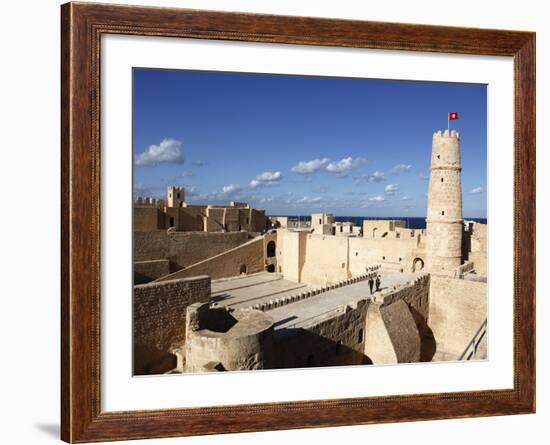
(365, 252)
(375, 228)
(318, 260)
(159, 320)
(257, 222)
(291, 254)
(147, 218)
(183, 248)
(326, 260)
(227, 263)
(478, 248)
(151, 245)
(338, 340)
(457, 310)
(145, 271)
(191, 218)
(480, 262)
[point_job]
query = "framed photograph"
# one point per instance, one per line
(274, 222)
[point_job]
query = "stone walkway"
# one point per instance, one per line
(327, 304)
(247, 290)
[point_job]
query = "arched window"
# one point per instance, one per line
(418, 264)
(242, 269)
(271, 249)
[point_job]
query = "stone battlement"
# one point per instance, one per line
(446, 134)
(299, 296)
(147, 201)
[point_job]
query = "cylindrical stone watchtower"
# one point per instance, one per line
(444, 223)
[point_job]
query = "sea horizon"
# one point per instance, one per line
(412, 222)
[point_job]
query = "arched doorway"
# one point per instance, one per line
(374, 232)
(242, 269)
(418, 265)
(271, 249)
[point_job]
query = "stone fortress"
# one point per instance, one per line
(225, 288)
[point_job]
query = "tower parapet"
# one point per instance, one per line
(175, 196)
(444, 219)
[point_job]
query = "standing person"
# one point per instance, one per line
(371, 284)
(377, 283)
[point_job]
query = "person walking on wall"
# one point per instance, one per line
(377, 283)
(371, 284)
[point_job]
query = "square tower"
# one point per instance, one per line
(175, 196)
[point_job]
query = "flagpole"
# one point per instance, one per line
(448, 122)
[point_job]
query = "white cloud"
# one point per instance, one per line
(186, 174)
(400, 168)
(424, 177)
(304, 167)
(231, 188)
(266, 179)
(406, 198)
(377, 199)
(390, 189)
(308, 200)
(169, 150)
(478, 190)
(377, 177)
(199, 163)
(343, 166)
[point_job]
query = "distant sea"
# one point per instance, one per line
(411, 222)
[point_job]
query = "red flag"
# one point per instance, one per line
(453, 116)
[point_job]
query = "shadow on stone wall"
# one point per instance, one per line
(301, 348)
(150, 361)
(427, 345)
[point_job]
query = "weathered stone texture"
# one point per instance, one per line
(146, 271)
(159, 320)
(457, 310)
(328, 341)
(183, 248)
(402, 330)
(236, 340)
(444, 221)
(478, 248)
(246, 258)
(397, 323)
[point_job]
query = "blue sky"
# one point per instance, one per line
(294, 145)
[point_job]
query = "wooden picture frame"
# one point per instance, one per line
(82, 26)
